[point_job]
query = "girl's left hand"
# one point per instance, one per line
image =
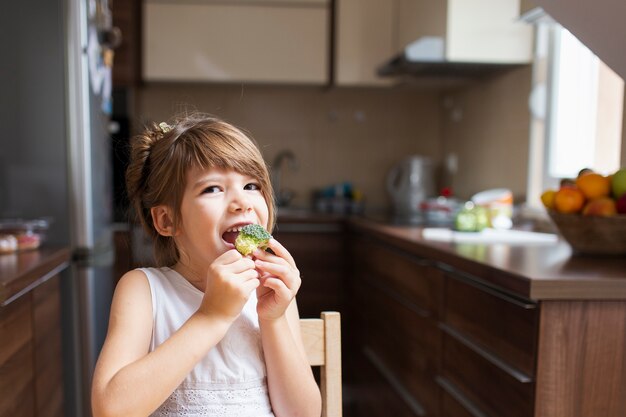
(280, 280)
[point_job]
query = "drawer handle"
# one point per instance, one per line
(455, 393)
(481, 285)
(488, 356)
(397, 386)
(35, 283)
(399, 298)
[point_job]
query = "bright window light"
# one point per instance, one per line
(574, 108)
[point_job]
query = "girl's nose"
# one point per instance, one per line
(240, 202)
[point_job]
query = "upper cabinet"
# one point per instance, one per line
(425, 37)
(465, 30)
(271, 41)
(364, 39)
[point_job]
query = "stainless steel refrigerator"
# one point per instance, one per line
(55, 159)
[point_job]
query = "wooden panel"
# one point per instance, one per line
(320, 258)
(582, 362)
(373, 395)
(484, 384)
(48, 349)
(364, 41)
(313, 339)
(404, 342)
(450, 407)
(16, 369)
(220, 41)
(126, 66)
(410, 277)
(500, 325)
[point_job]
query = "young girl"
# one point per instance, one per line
(208, 332)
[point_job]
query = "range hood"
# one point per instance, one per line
(466, 38)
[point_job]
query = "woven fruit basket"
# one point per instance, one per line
(592, 235)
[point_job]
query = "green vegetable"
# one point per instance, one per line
(250, 237)
(471, 218)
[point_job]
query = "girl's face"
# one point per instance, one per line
(215, 203)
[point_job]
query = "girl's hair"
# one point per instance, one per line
(161, 157)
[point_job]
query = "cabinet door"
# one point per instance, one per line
(256, 41)
(364, 41)
(48, 350)
(320, 260)
(16, 352)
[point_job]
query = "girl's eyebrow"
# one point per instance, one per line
(206, 180)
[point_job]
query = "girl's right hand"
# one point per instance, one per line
(231, 278)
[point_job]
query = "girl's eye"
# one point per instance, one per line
(211, 189)
(252, 187)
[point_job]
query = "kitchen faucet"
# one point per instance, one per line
(283, 196)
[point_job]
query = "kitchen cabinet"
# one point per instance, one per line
(317, 245)
(363, 42)
(31, 366)
(394, 308)
(238, 41)
(126, 66)
(370, 33)
(471, 30)
(446, 330)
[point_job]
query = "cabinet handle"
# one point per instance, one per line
(399, 298)
(488, 356)
(397, 386)
(455, 393)
(481, 285)
(35, 283)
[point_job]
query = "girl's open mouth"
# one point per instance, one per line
(230, 237)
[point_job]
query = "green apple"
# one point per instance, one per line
(618, 183)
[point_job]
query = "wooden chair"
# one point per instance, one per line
(322, 341)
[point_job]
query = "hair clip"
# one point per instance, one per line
(165, 127)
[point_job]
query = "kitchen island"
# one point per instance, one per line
(470, 329)
(31, 369)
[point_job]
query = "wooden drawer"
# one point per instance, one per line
(502, 325)
(48, 353)
(403, 345)
(320, 258)
(490, 387)
(453, 404)
(372, 395)
(411, 278)
(16, 351)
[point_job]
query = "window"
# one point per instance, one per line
(576, 111)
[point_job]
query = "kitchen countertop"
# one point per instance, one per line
(20, 272)
(537, 271)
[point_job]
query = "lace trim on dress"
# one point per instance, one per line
(197, 399)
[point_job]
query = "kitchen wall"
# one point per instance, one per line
(358, 134)
(338, 134)
(486, 125)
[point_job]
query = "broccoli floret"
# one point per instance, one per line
(252, 236)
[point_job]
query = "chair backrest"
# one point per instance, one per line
(322, 341)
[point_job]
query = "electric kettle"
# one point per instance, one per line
(409, 183)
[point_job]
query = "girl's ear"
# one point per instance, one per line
(162, 220)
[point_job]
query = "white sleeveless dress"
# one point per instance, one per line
(231, 379)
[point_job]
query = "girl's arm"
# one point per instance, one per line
(128, 380)
(292, 387)
(293, 390)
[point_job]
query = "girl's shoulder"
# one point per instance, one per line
(134, 282)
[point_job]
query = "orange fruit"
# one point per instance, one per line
(547, 198)
(569, 200)
(594, 185)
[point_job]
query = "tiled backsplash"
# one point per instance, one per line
(358, 134)
(337, 135)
